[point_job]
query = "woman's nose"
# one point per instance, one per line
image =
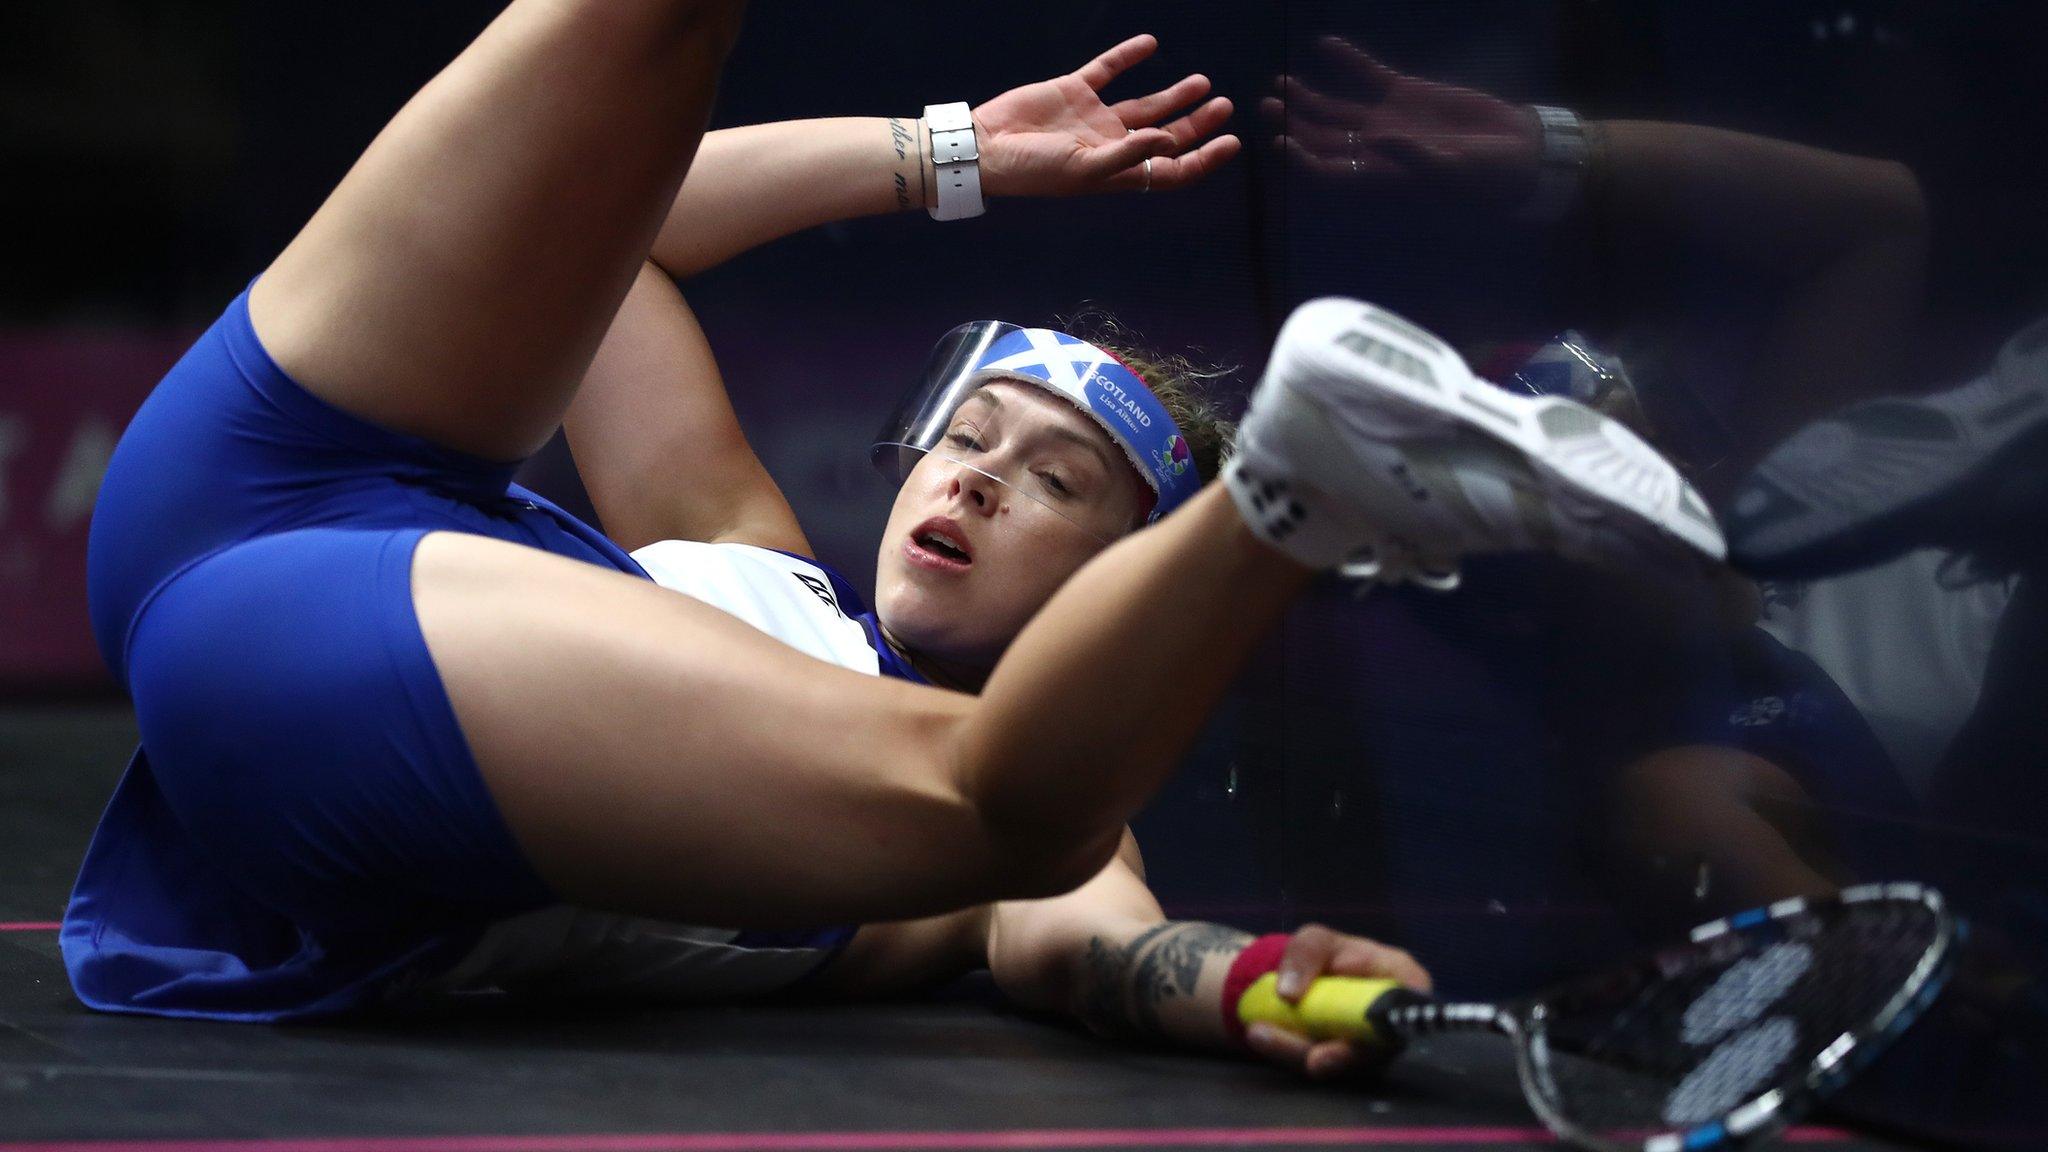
(976, 487)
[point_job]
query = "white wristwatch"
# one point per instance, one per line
(956, 158)
(1561, 170)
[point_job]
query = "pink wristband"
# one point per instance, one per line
(1258, 958)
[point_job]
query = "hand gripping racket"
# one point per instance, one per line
(1714, 1043)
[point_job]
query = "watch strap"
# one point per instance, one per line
(956, 161)
(1561, 171)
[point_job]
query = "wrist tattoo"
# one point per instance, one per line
(899, 138)
(1124, 986)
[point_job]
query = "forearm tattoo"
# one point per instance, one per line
(902, 139)
(1123, 986)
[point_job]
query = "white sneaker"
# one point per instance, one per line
(1961, 469)
(1371, 447)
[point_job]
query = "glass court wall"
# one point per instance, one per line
(1799, 246)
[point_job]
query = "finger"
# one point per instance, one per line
(1201, 122)
(1372, 77)
(1171, 172)
(1279, 1045)
(1307, 956)
(1329, 1060)
(1348, 1061)
(1326, 140)
(1100, 71)
(1318, 136)
(1142, 110)
(1364, 166)
(1357, 956)
(1129, 152)
(1302, 101)
(1303, 157)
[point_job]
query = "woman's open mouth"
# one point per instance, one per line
(938, 545)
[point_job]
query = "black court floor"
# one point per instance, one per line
(957, 1071)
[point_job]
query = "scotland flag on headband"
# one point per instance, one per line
(1112, 394)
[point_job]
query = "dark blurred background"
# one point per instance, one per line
(1517, 782)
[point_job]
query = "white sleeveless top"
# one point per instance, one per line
(797, 601)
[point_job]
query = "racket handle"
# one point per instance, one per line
(1334, 1008)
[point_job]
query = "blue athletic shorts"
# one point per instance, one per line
(303, 829)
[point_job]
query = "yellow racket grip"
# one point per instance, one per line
(1333, 1008)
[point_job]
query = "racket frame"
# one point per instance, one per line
(1523, 1022)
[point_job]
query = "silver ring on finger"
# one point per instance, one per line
(1148, 175)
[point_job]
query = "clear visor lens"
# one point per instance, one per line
(1017, 486)
(919, 424)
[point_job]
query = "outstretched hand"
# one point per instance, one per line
(1057, 137)
(1403, 135)
(1318, 951)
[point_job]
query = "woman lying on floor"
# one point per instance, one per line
(408, 728)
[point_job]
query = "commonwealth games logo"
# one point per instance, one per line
(1177, 457)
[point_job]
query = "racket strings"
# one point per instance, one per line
(1695, 1033)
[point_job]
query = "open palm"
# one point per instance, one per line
(1058, 138)
(1404, 134)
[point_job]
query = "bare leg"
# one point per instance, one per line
(1103, 693)
(458, 281)
(652, 754)
(655, 756)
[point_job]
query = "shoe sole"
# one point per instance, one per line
(1590, 466)
(1944, 513)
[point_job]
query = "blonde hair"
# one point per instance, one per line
(1179, 381)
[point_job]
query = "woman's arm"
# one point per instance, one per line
(1843, 241)
(652, 430)
(1773, 205)
(656, 441)
(766, 181)
(1840, 241)
(901, 956)
(1106, 955)
(759, 183)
